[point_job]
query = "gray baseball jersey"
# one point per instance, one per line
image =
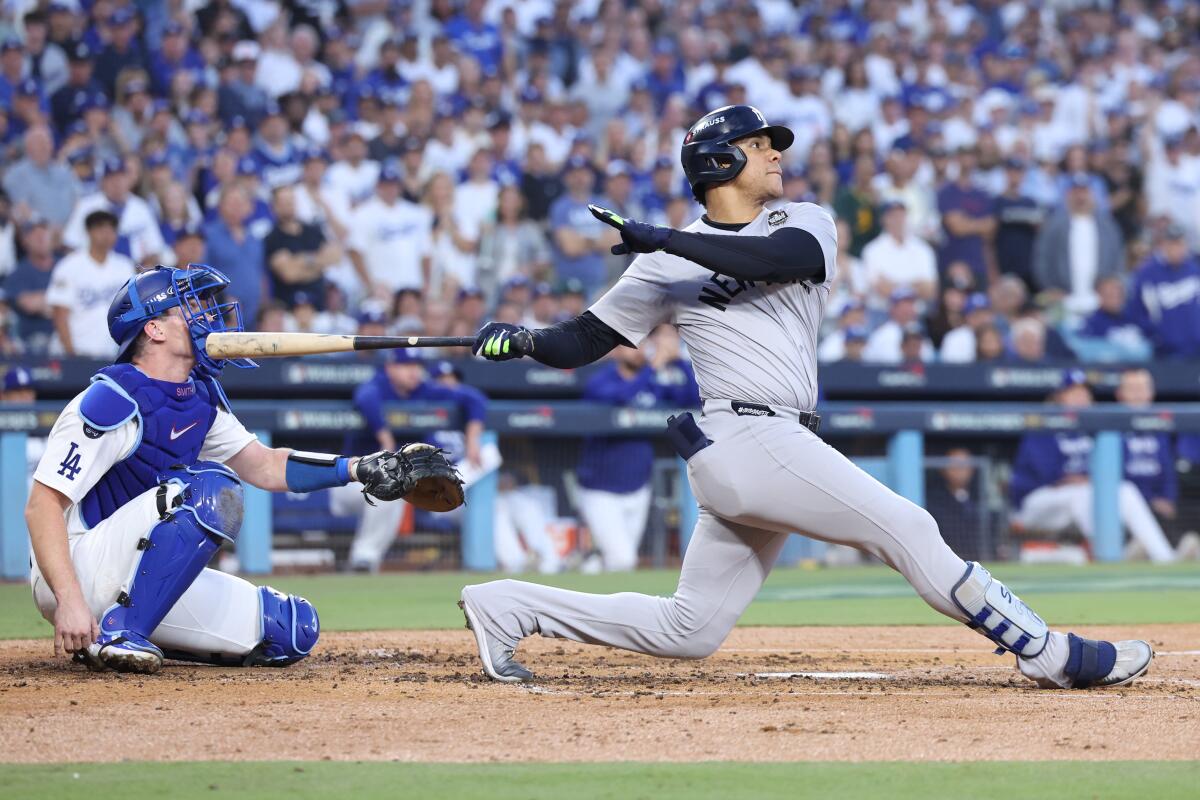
(748, 340)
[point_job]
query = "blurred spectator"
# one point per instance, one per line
(1028, 339)
(580, 240)
(139, 237)
(1173, 184)
(543, 311)
(833, 345)
(855, 344)
(614, 472)
(511, 245)
(319, 203)
(962, 516)
(390, 240)
(83, 285)
(1149, 459)
(1078, 245)
(236, 251)
(8, 236)
(884, 346)
(1165, 298)
(541, 184)
(1051, 486)
(296, 254)
(1018, 218)
(915, 347)
(43, 60)
(989, 344)
(856, 203)
(455, 239)
(37, 185)
(898, 259)
(26, 287)
(122, 52)
(1110, 333)
(189, 245)
(960, 345)
(353, 174)
(67, 103)
(238, 95)
(967, 218)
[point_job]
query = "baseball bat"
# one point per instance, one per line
(262, 344)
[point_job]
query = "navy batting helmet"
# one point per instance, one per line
(709, 154)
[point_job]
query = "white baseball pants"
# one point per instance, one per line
(617, 522)
(1053, 508)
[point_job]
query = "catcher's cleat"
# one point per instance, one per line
(498, 662)
(123, 652)
(1093, 664)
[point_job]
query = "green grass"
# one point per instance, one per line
(1097, 594)
(1052, 780)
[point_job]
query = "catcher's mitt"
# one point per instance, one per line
(418, 473)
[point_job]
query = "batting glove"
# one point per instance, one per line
(499, 341)
(636, 237)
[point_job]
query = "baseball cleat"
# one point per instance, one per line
(125, 652)
(498, 663)
(1092, 664)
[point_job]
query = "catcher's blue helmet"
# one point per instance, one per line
(194, 290)
(709, 154)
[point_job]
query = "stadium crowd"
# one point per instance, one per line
(1012, 181)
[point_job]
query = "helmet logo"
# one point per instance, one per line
(689, 136)
(708, 123)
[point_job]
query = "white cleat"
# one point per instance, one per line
(498, 663)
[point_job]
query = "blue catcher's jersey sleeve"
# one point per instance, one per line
(77, 455)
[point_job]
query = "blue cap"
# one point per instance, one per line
(372, 316)
(79, 155)
(111, 165)
(1072, 377)
(542, 289)
(576, 162)
(247, 166)
(617, 168)
(302, 299)
(530, 94)
(856, 333)
(444, 367)
(160, 106)
(121, 16)
(197, 117)
(17, 378)
(890, 205)
(317, 154)
(469, 292)
(28, 88)
(405, 355)
(238, 121)
(80, 52)
(173, 28)
(516, 282)
(11, 43)
(976, 302)
(78, 128)
(901, 293)
(271, 109)
(853, 304)
(95, 101)
(389, 173)
(156, 159)
(1080, 180)
(664, 162)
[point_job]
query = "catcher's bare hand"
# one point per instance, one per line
(418, 473)
(74, 626)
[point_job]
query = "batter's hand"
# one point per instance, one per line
(74, 626)
(499, 341)
(636, 237)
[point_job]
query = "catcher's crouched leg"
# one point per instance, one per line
(290, 630)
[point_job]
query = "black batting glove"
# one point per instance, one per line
(636, 237)
(499, 341)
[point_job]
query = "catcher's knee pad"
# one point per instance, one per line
(211, 494)
(290, 629)
(998, 614)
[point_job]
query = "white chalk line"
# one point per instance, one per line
(600, 694)
(801, 651)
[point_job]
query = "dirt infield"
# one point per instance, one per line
(923, 694)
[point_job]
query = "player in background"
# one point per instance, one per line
(141, 483)
(614, 472)
(402, 379)
(1052, 487)
(746, 285)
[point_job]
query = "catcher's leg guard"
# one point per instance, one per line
(200, 506)
(998, 614)
(290, 630)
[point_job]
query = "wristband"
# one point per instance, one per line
(308, 472)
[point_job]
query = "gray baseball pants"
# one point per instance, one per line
(761, 479)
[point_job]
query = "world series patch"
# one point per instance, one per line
(776, 217)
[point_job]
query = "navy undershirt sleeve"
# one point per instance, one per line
(788, 254)
(574, 342)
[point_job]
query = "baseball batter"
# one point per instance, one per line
(141, 483)
(746, 285)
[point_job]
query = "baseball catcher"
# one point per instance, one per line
(746, 285)
(141, 483)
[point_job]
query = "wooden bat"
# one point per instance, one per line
(257, 344)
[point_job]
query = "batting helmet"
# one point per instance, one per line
(194, 290)
(709, 154)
